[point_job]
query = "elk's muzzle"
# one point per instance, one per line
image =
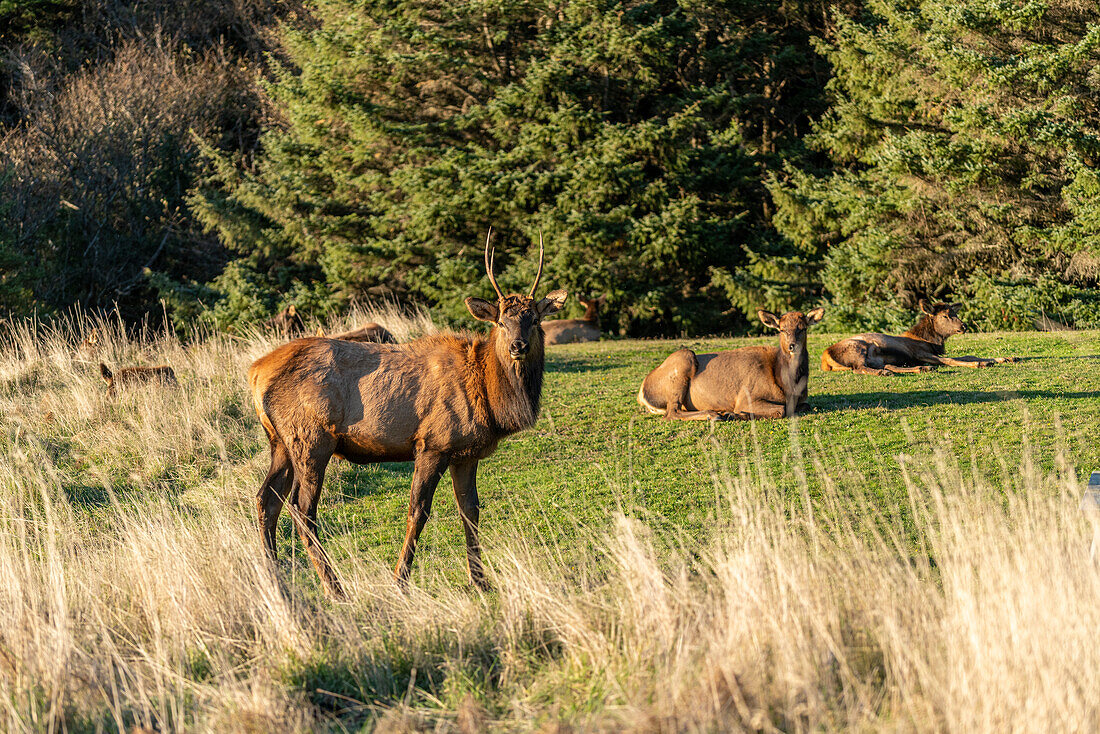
(518, 350)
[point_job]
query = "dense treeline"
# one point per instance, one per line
(693, 161)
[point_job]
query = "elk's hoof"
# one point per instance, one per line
(925, 368)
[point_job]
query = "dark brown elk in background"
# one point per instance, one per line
(918, 350)
(288, 322)
(368, 332)
(571, 331)
(131, 376)
(443, 401)
(740, 384)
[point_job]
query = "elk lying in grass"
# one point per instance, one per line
(918, 350)
(131, 376)
(746, 383)
(444, 401)
(88, 347)
(288, 322)
(570, 331)
(368, 332)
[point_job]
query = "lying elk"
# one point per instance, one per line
(288, 322)
(130, 376)
(444, 401)
(741, 384)
(369, 332)
(570, 331)
(918, 350)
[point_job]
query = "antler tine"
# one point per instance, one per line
(538, 275)
(489, 264)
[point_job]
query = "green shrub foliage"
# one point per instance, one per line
(635, 136)
(965, 136)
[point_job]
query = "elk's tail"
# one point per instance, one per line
(105, 371)
(644, 402)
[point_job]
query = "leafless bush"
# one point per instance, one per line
(98, 169)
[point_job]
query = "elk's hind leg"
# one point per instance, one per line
(273, 493)
(429, 467)
(464, 478)
(666, 390)
(310, 456)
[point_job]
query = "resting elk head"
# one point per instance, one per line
(945, 319)
(516, 317)
(791, 326)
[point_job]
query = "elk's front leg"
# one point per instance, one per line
(464, 478)
(971, 362)
(429, 467)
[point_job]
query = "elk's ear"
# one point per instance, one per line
(925, 308)
(954, 306)
(292, 310)
(812, 317)
(768, 318)
(483, 310)
(554, 302)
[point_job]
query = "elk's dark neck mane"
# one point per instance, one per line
(514, 389)
(925, 330)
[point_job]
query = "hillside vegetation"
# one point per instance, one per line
(911, 554)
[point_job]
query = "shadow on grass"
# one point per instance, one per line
(87, 495)
(582, 365)
(924, 398)
(351, 482)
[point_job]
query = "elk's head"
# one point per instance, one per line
(792, 327)
(944, 316)
(516, 317)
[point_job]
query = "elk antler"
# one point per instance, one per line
(538, 275)
(489, 264)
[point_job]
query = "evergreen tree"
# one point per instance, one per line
(636, 136)
(966, 135)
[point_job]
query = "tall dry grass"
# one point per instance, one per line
(133, 591)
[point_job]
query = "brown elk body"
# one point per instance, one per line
(130, 376)
(919, 349)
(443, 401)
(741, 384)
(571, 331)
(369, 332)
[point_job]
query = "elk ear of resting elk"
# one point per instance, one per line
(130, 376)
(571, 331)
(443, 401)
(920, 349)
(739, 384)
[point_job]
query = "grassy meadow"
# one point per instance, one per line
(910, 555)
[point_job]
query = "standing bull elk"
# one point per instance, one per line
(741, 384)
(918, 350)
(444, 401)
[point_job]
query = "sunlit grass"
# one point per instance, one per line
(882, 564)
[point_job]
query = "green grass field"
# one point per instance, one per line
(882, 562)
(595, 450)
